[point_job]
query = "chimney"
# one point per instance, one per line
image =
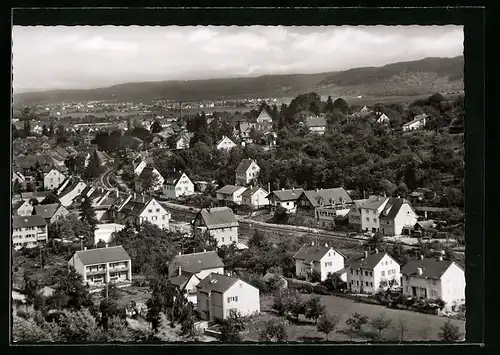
(134, 195)
(180, 270)
(366, 254)
(84, 248)
(312, 243)
(282, 189)
(443, 252)
(376, 250)
(204, 250)
(420, 270)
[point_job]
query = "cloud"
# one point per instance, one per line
(99, 43)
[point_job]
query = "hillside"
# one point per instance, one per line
(404, 78)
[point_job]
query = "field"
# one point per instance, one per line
(419, 326)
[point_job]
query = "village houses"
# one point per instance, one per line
(373, 272)
(230, 193)
(52, 212)
(317, 259)
(28, 231)
(22, 208)
(103, 265)
(177, 185)
(264, 116)
(255, 197)
(397, 217)
(218, 295)
(285, 198)
(335, 199)
(316, 124)
(71, 188)
(144, 210)
(53, 179)
(225, 144)
(220, 222)
(247, 171)
(382, 118)
(418, 122)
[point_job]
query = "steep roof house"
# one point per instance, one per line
(230, 193)
(336, 198)
(144, 210)
(51, 212)
(285, 198)
(316, 124)
(225, 144)
(397, 217)
(264, 116)
(317, 259)
(416, 123)
(178, 184)
(220, 222)
(246, 171)
(255, 196)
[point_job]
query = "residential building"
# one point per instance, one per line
(219, 295)
(220, 222)
(103, 265)
(397, 217)
(382, 118)
(187, 270)
(177, 185)
(225, 144)
(316, 124)
(285, 198)
(182, 142)
(28, 231)
(370, 211)
(434, 279)
(22, 208)
(51, 212)
(416, 123)
(53, 179)
(247, 171)
(244, 131)
(264, 116)
(335, 201)
(104, 231)
(69, 190)
(150, 177)
(230, 193)
(373, 272)
(145, 210)
(317, 259)
(255, 196)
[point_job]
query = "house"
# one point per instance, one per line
(103, 265)
(421, 194)
(247, 171)
(317, 259)
(28, 231)
(53, 179)
(38, 195)
(144, 210)
(285, 198)
(230, 193)
(219, 295)
(381, 118)
(264, 116)
(182, 142)
(69, 190)
(187, 270)
(225, 144)
(177, 185)
(51, 212)
(397, 217)
(22, 208)
(255, 196)
(365, 110)
(220, 222)
(316, 124)
(369, 213)
(416, 123)
(434, 279)
(373, 272)
(18, 176)
(244, 131)
(425, 228)
(104, 231)
(336, 200)
(150, 177)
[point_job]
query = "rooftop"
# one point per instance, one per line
(369, 262)
(288, 195)
(310, 252)
(244, 165)
(102, 255)
(196, 262)
(216, 283)
(219, 217)
(28, 221)
(329, 196)
(431, 268)
(229, 189)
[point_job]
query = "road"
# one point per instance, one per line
(104, 178)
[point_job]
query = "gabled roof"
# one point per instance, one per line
(251, 190)
(28, 221)
(244, 165)
(28, 195)
(416, 119)
(431, 268)
(426, 224)
(134, 208)
(172, 178)
(181, 280)
(47, 211)
(310, 252)
(318, 121)
(264, 115)
(102, 255)
(229, 189)
(338, 195)
(17, 205)
(196, 262)
(223, 139)
(374, 203)
(287, 195)
(392, 208)
(216, 283)
(370, 262)
(219, 217)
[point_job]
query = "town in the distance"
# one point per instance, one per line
(309, 219)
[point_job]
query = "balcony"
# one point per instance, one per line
(96, 272)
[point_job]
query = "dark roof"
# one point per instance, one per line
(219, 217)
(133, 208)
(312, 252)
(28, 195)
(374, 203)
(180, 280)
(216, 283)
(244, 165)
(229, 189)
(196, 262)
(17, 205)
(336, 194)
(102, 255)
(431, 268)
(28, 221)
(251, 190)
(370, 262)
(392, 208)
(172, 178)
(288, 195)
(426, 224)
(47, 211)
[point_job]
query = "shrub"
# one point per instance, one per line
(320, 289)
(450, 332)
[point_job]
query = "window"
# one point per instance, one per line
(232, 299)
(222, 239)
(163, 217)
(371, 284)
(230, 239)
(352, 272)
(150, 211)
(154, 218)
(366, 273)
(368, 219)
(382, 273)
(371, 273)
(328, 263)
(375, 220)
(157, 210)
(357, 283)
(366, 283)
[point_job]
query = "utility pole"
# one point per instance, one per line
(107, 283)
(81, 242)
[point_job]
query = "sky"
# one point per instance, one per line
(82, 57)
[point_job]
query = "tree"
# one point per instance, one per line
(26, 128)
(70, 292)
(153, 313)
(156, 127)
(329, 105)
(356, 321)
(314, 308)
(341, 105)
(101, 244)
(274, 330)
(258, 240)
(380, 322)
(296, 306)
(231, 328)
(281, 215)
(403, 327)
(327, 323)
(376, 241)
(450, 332)
(87, 214)
(30, 288)
(45, 131)
(94, 168)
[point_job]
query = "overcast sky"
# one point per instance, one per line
(95, 56)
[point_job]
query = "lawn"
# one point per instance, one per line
(419, 326)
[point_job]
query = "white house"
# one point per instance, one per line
(255, 196)
(147, 173)
(70, 191)
(264, 116)
(225, 144)
(320, 259)
(370, 212)
(373, 272)
(220, 222)
(53, 179)
(285, 198)
(434, 279)
(22, 208)
(177, 185)
(103, 265)
(230, 193)
(182, 142)
(382, 118)
(417, 123)
(144, 210)
(247, 171)
(316, 124)
(219, 295)
(187, 270)
(397, 216)
(52, 212)
(28, 231)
